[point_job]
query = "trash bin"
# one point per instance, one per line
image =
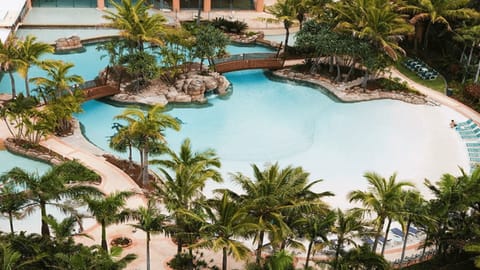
(449, 92)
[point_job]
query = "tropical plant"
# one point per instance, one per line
(383, 198)
(11, 203)
(227, 221)
(66, 181)
(348, 227)
(142, 66)
(273, 191)
(109, 210)
(427, 13)
(10, 59)
(182, 191)
(30, 51)
(25, 121)
(284, 12)
(362, 258)
(147, 132)
(135, 23)
(121, 141)
(209, 43)
(57, 79)
(65, 229)
(375, 21)
(151, 221)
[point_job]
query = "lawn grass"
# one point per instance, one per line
(438, 84)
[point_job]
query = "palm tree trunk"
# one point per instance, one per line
(308, 253)
(287, 34)
(470, 55)
(43, 213)
(478, 72)
(339, 73)
(224, 260)
(148, 250)
(259, 247)
(145, 168)
(199, 11)
(405, 242)
(386, 235)
(337, 252)
(365, 80)
(12, 82)
(104, 236)
(10, 220)
(425, 37)
(27, 86)
(377, 235)
(463, 52)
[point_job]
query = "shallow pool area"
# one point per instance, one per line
(266, 121)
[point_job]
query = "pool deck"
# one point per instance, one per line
(113, 179)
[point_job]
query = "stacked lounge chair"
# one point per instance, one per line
(470, 132)
(421, 69)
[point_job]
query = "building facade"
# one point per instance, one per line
(172, 5)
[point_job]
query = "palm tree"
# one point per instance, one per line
(65, 181)
(383, 197)
(30, 52)
(57, 78)
(284, 12)
(315, 225)
(273, 191)
(11, 203)
(414, 211)
(427, 13)
(361, 258)
(181, 192)
(135, 23)
(348, 226)
(122, 140)
(227, 221)
(376, 21)
(151, 221)
(147, 131)
(65, 229)
(10, 59)
(109, 210)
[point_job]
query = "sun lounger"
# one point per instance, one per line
(412, 231)
(466, 123)
(473, 150)
(474, 159)
(473, 144)
(468, 131)
(397, 232)
(474, 154)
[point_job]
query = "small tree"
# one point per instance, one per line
(210, 43)
(142, 66)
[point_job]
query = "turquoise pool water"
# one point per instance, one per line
(266, 121)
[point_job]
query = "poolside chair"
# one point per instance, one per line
(473, 144)
(412, 231)
(466, 123)
(473, 149)
(474, 159)
(397, 232)
(474, 129)
(474, 154)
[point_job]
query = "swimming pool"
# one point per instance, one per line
(265, 121)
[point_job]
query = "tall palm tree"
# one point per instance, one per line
(227, 221)
(413, 211)
(147, 131)
(182, 191)
(122, 140)
(30, 52)
(57, 78)
(135, 23)
(382, 197)
(151, 221)
(66, 181)
(348, 226)
(273, 191)
(11, 203)
(10, 59)
(315, 225)
(109, 210)
(64, 229)
(284, 12)
(426, 13)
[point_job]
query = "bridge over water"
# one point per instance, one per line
(248, 61)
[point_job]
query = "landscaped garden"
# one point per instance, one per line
(276, 208)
